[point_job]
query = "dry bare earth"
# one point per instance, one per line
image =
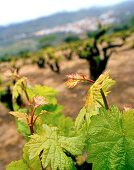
(121, 68)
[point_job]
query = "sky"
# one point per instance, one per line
(12, 11)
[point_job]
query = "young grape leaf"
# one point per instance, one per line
(94, 98)
(17, 165)
(47, 92)
(80, 119)
(34, 163)
(53, 117)
(54, 148)
(21, 116)
(15, 106)
(25, 163)
(22, 127)
(51, 108)
(17, 89)
(74, 80)
(111, 143)
(94, 94)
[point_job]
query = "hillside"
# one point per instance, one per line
(22, 36)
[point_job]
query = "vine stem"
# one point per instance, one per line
(105, 100)
(41, 163)
(31, 129)
(36, 118)
(31, 123)
(100, 103)
(32, 115)
(24, 88)
(90, 81)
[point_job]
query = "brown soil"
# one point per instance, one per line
(121, 68)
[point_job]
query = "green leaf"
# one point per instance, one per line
(17, 165)
(65, 125)
(17, 89)
(54, 117)
(52, 108)
(2, 92)
(54, 148)
(22, 127)
(34, 163)
(111, 143)
(94, 94)
(25, 163)
(15, 106)
(21, 116)
(80, 119)
(47, 92)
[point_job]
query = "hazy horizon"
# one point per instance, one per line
(37, 9)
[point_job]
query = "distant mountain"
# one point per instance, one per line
(26, 31)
